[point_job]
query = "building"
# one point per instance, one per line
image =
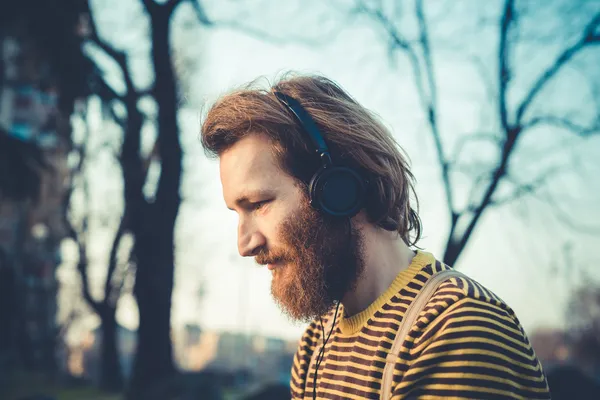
(42, 70)
(247, 359)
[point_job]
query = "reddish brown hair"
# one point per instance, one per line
(354, 135)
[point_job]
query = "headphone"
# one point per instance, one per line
(336, 190)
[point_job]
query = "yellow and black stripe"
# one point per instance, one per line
(466, 344)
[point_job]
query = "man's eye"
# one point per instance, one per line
(259, 204)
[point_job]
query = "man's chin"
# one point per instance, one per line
(298, 310)
(296, 317)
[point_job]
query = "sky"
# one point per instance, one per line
(517, 250)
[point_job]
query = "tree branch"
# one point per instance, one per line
(564, 123)
(522, 189)
(112, 261)
(478, 179)
(588, 37)
(485, 75)
(201, 13)
(150, 6)
(171, 5)
(118, 56)
(503, 59)
(120, 121)
(78, 238)
(82, 266)
(259, 34)
(566, 218)
(426, 86)
(472, 137)
(431, 105)
(512, 134)
(82, 263)
(429, 102)
(122, 279)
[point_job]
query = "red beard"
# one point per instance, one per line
(321, 260)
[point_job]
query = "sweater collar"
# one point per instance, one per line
(351, 325)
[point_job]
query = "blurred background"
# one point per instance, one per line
(119, 272)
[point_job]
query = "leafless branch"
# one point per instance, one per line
(523, 189)
(480, 178)
(486, 78)
(472, 137)
(564, 123)
(432, 105)
(260, 34)
(118, 56)
(419, 55)
(120, 281)
(120, 121)
(83, 261)
(564, 217)
(150, 5)
(171, 5)
(426, 85)
(499, 171)
(588, 37)
(79, 236)
(113, 261)
(201, 13)
(507, 19)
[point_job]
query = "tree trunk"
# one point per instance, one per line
(153, 226)
(452, 253)
(111, 375)
(153, 368)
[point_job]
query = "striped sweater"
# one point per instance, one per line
(466, 344)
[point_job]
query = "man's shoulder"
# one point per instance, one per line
(466, 327)
(463, 298)
(459, 286)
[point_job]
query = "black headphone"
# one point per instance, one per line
(334, 189)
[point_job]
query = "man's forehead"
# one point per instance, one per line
(249, 165)
(251, 155)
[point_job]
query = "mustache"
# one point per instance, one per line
(265, 257)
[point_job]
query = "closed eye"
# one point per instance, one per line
(259, 204)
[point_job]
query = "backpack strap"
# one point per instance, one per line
(414, 309)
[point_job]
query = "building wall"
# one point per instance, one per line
(31, 231)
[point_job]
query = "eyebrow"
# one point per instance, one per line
(244, 199)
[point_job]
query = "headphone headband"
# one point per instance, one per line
(309, 125)
(335, 190)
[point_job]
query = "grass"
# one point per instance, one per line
(24, 385)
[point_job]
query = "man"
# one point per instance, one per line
(323, 196)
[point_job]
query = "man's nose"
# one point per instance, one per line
(250, 239)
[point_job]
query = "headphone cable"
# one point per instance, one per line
(321, 354)
(322, 351)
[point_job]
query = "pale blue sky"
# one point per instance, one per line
(516, 250)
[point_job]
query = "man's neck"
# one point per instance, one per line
(385, 256)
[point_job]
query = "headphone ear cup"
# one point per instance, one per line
(337, 191)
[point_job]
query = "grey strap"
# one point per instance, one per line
(413, 311)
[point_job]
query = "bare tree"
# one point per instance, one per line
(513, 119)
(151, 221)
(77, 219)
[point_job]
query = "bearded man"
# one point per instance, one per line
(325, 200)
